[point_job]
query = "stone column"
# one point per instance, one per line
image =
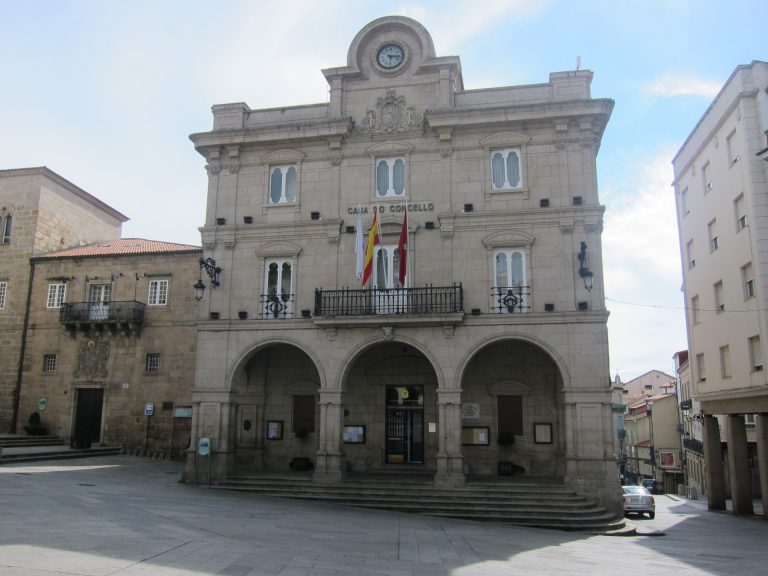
(329, 460)
(714, 464)
(738, 464)
(761, 433)
(450, 459)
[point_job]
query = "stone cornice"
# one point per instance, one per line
(275, 133)
(518, 113)
(591, 217)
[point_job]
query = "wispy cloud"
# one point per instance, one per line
(683, 85)
(641, 259)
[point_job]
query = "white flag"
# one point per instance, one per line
(359, 250)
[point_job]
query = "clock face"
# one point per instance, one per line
(390, 56)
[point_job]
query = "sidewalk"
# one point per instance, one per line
(701, 504)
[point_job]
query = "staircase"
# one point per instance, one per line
(531, 503)
(19, 449)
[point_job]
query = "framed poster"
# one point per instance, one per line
(275, 430)
(475, 436)
(354, 434)
(542, 433)
(667, 458)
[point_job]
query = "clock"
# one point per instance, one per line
(390, 56)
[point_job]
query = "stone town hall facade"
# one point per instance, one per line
(495, 333)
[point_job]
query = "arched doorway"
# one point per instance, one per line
(512, 411)
(277, 419)
(390, 411)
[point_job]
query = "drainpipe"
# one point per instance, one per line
(22, 351)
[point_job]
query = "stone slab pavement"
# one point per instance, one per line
(129, 516)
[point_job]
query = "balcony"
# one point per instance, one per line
(127, 316)
(425, 304)
(619, 408)
(510, 299)
(686, 404)
(693, 445)
(277, 306)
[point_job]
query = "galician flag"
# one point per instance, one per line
(373, 240)
(359, 253)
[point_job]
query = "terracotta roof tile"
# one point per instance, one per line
(121, 247)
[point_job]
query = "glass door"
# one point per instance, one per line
(99, 296)
(405, 425)
(388, 296)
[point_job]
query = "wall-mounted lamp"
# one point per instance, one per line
(697, 417)
(209, 265)
(584, 271)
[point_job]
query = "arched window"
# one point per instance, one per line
(390, 177)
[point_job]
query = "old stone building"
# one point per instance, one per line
(40, 212)
(488, 352)
(110, 343)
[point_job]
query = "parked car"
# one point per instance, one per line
(637, 500)
(653, 486)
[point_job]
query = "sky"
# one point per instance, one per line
(106, 93)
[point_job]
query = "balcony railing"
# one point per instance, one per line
(510, 299)
(277, 306)
(402, 301)
(129, 312)
(693, 445)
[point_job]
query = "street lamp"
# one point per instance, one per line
(584, 271)
(209, 265)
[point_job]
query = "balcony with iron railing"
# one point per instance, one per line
(424, 305)
(85, 315)
(277, 306)
(510, 299)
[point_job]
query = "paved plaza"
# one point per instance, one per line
(128, 516)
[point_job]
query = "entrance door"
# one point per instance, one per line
(405, 424)
(88, 414)
(99, 296)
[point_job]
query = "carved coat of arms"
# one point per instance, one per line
(391, 115)
(92, 359)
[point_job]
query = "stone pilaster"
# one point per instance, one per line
(761, 433)
(714, 464)
(329, 460)
(738, 465)
(450, 460)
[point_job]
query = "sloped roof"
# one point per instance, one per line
(121, 247)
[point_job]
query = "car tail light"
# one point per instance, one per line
(652, 500)
(626, 499)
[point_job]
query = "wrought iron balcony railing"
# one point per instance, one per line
(128, 312)
(510, 299)
(693, 445)
(373, 301)
(277, 306)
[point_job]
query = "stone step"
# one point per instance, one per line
(57, 455)
(545, 505)
(22, 441)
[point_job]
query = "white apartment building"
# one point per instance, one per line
(721, 190)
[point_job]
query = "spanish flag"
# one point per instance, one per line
(373, 240)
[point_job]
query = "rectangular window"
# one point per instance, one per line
(719, 302)
(283, 184)
(733, 148)
(510, 415)
(695, 309)
(705, 178)
(7, 225)
(755, 354)
(278, 289)
(56, 294)
(700, 368)
(153, 362)
(740, 212)
(510, 289)
(725, 361)
(689, 254)
(390, 177)
(712, 233)
(49, 363)
(158, 293)
(505, 169)
(303, 414)
(3, 292)
(748, 281)
(684, 202)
